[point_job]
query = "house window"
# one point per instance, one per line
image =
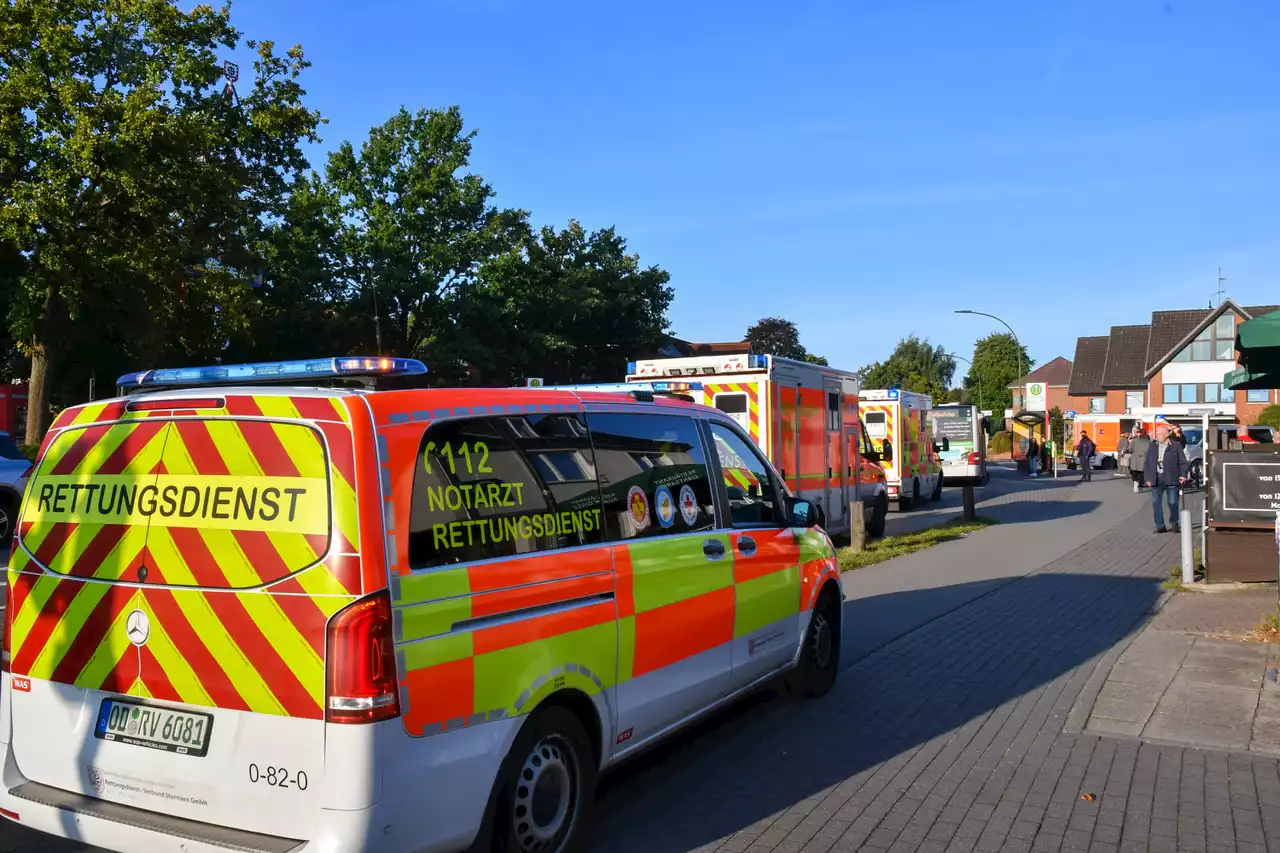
(1259, 395)
(1097, 405)
(1216, 342)
(1133, 399)
(1171, 393)
(1212, 393)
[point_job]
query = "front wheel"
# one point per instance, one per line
(546, 787)
(820, 658)
(937, 489)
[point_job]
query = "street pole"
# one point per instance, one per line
(1022, 364)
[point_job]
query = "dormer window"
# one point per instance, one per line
(1216, 342)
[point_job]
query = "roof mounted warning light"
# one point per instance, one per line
(303, 370)
(642, 391)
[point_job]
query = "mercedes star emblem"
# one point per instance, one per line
(137, 627)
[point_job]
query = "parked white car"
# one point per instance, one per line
(15, 468)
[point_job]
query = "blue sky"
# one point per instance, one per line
(861, 168)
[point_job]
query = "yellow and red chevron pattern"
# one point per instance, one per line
(888, 461)
(709, 393)
(239, 621)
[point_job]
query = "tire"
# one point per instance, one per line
(8, 514)
(986, 478)
(937, 489)
(819, 663)
(879, 515)
(915, 493)
(552, 749)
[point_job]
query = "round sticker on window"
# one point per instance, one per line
(665, 506)
(688, 505)
(638, 508)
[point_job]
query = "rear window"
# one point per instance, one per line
(220, 503)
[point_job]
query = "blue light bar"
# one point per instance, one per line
(759, 362)
(631, 367)
(893, 393)
(269, 371)
(677, 386)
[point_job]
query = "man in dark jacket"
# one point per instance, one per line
(1166, 471)
(1085, 449)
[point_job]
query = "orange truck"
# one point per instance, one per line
(804, 417)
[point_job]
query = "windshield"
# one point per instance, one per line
(9, 450)
(1194, 436)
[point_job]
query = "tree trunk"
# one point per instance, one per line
(38, 387)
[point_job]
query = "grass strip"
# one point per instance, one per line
(879, 550)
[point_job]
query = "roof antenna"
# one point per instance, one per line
(1221, 291)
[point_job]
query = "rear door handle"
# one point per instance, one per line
(746, 546)
(713, 548)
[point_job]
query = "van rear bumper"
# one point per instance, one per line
(414, 814)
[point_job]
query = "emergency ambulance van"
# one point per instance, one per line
(250, 607)
(901, 433)
(803, 416)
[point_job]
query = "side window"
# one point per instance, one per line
(746, 478)
(503, 486)
(653, 475)
(833, 412)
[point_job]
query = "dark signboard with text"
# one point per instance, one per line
(1244, 486)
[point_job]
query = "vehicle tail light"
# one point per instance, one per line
(975, 458)
(360, 677)
(893, 490)
(8, 628)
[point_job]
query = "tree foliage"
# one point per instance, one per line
(995, 366)
(416, 226)
(914, 365)
(1270, 416)
(135, 188)
(779, 336)
(572, 306)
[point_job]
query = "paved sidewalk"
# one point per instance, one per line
(1190, 677)
(959, 736)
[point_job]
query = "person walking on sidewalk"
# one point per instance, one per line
(1123, 455)
(1085, 449)
(1138, 457)
(1166, 471)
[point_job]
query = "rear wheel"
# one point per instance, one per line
(820, 657)
(8, 514)
(937, 489)
(879, 516)
(546, 787)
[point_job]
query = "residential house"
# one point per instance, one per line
(1168, 367)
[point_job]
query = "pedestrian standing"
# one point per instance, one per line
(1033, 455)
(1123, 455)
(1175, 434)
(1046, 457)
(1138, 457)
(1166, 471)
(1084, 454)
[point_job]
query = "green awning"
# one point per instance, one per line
(1258, 344)
(1242, 379)
(1259, 333)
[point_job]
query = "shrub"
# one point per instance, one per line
(30, 451)
(1001, 442)
(1270, 416)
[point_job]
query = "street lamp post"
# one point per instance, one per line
(1022, 365)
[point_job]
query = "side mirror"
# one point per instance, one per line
(871, 455)
(806, 513)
